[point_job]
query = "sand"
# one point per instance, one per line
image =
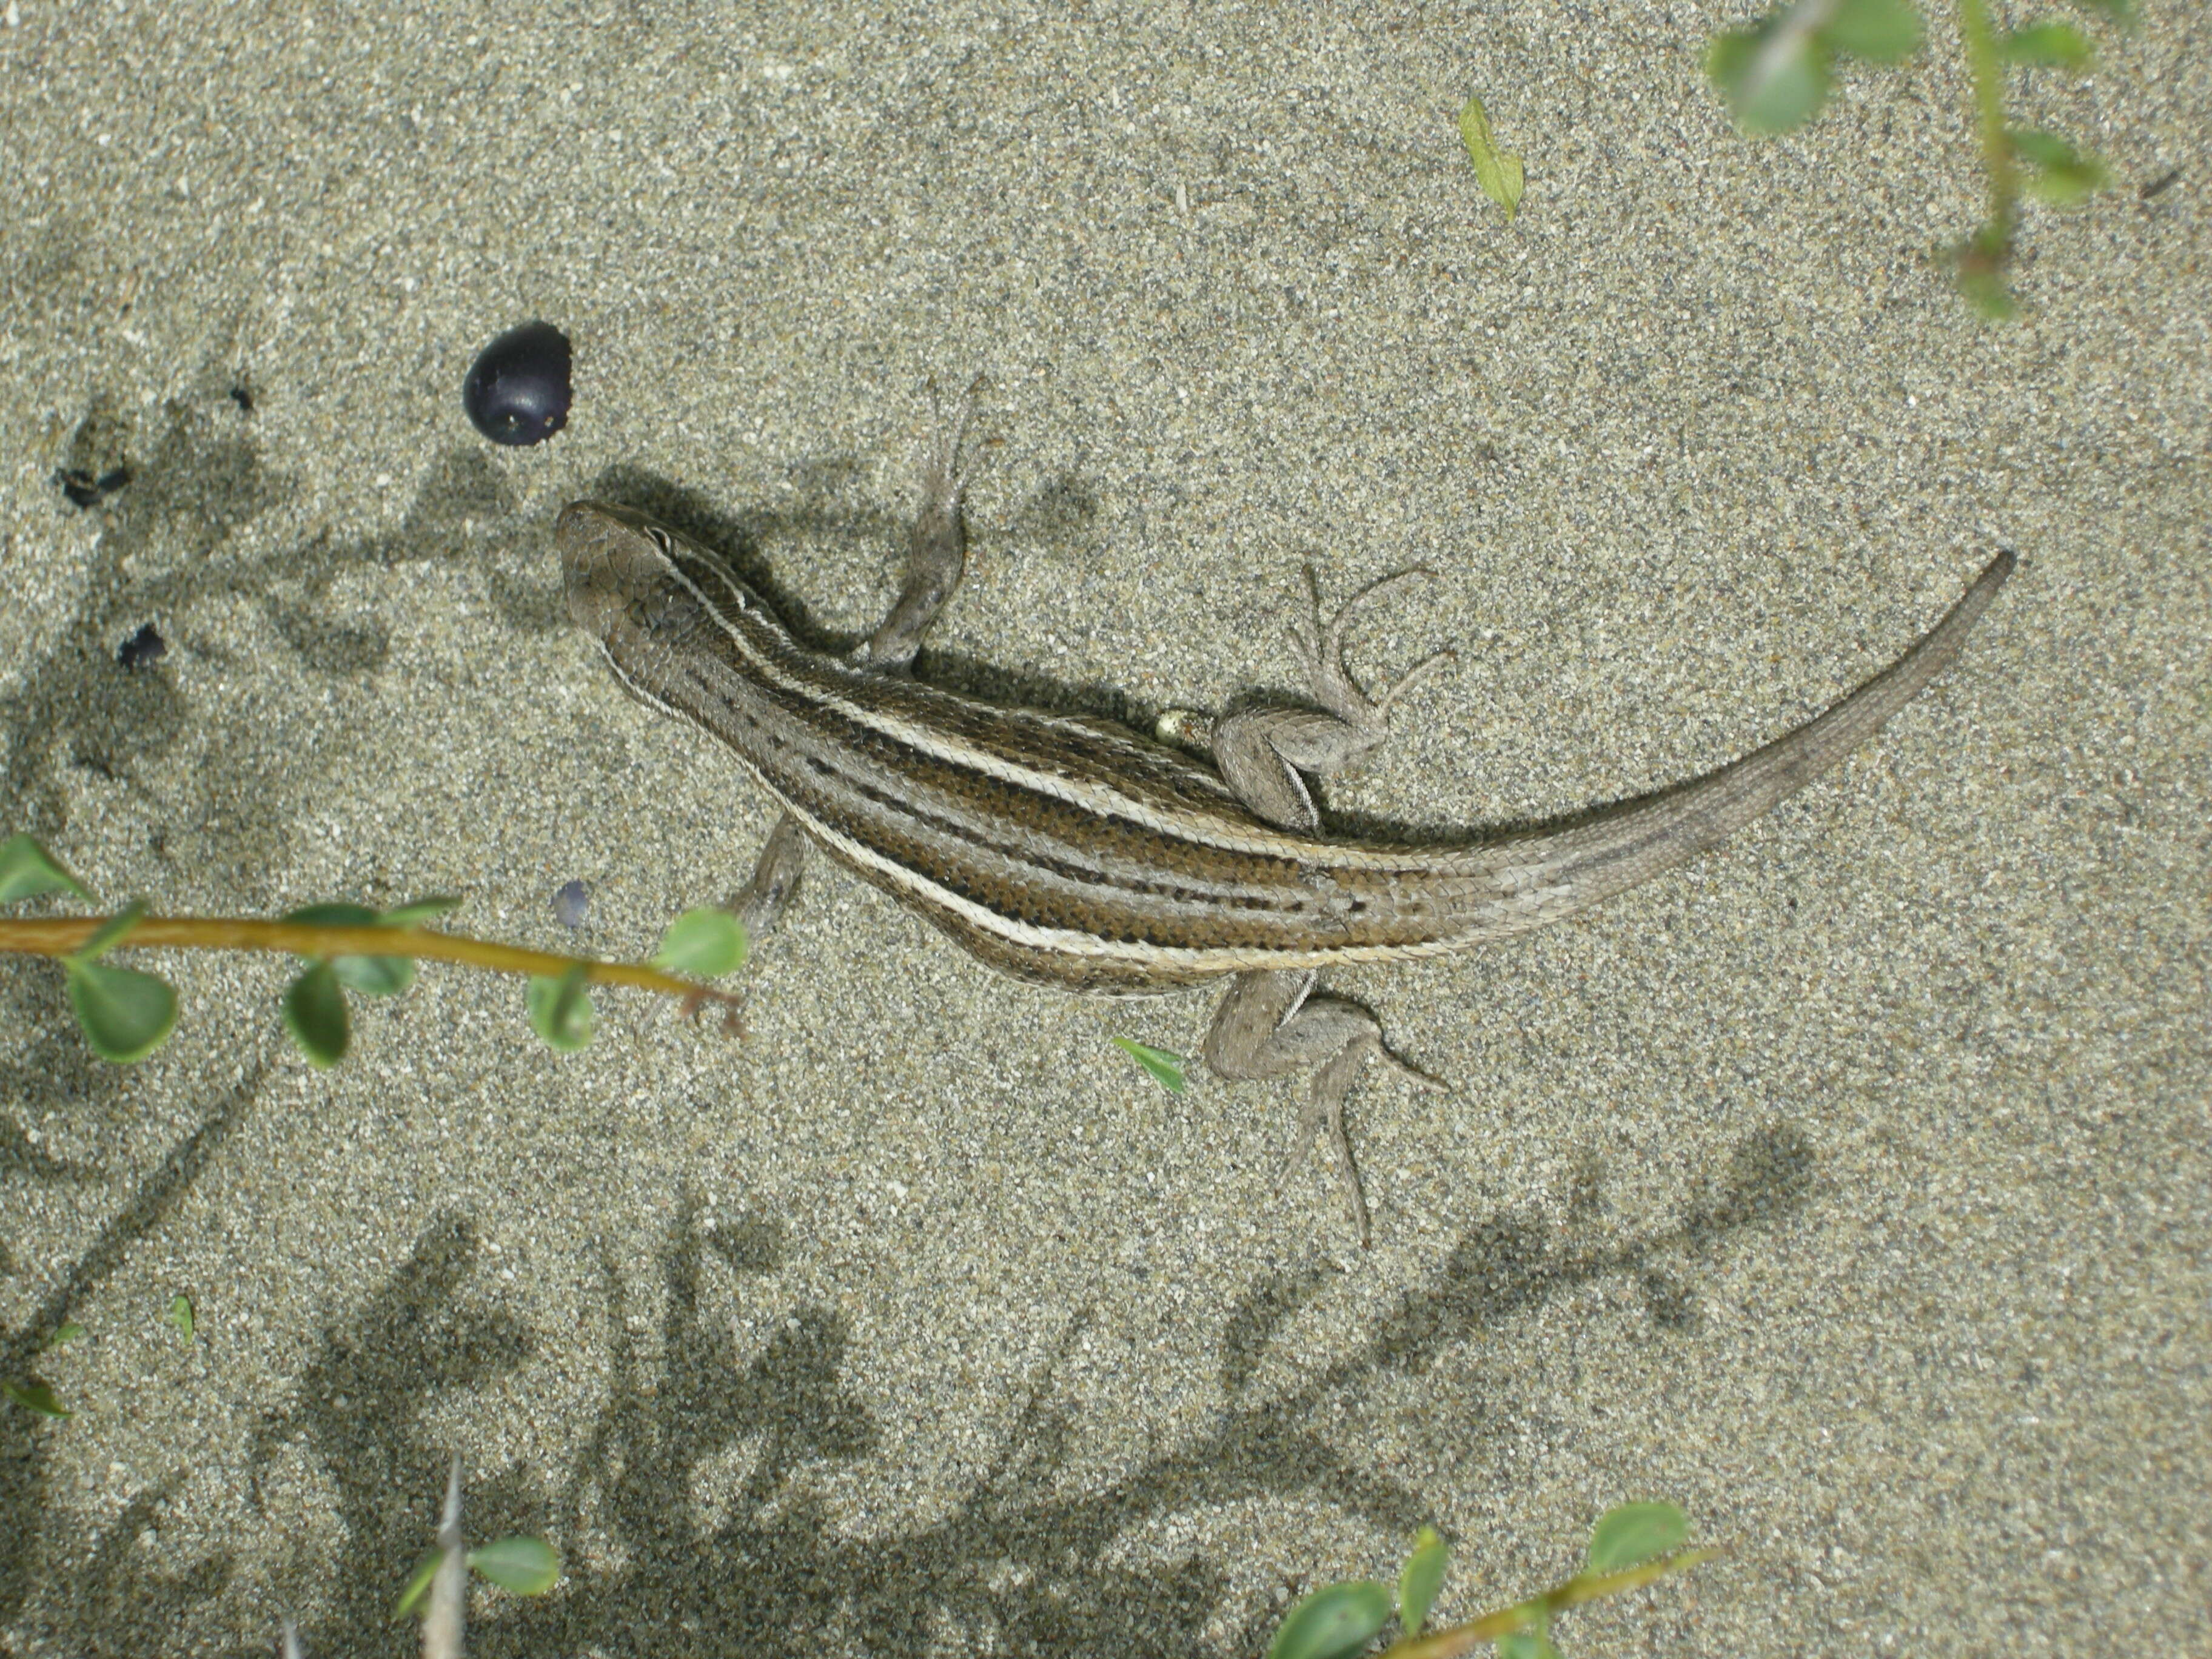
(1850, 1189)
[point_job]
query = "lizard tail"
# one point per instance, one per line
(1548, 874)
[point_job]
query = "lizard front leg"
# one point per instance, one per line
(936, 557)
(937, 545)
(1271, 1022)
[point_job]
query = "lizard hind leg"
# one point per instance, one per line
(1321, 654)
(1260, 751)
(1271, 1022)
(937, 543)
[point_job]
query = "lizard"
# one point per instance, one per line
(1070, 851)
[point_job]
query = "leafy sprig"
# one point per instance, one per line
(1776, 74)
(439, 1589)
(1632, 1545)
(126, 1013)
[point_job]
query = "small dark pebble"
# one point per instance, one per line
(86, 490)
(573, 903)
(517, 391)
(243, 398)
(146, 646)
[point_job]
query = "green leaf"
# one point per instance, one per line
(2039, 148)
(1880, 31)
(27, 870)
(560, 1009)
(181, 1314)
(704, 943)
(2059, 43)
(1418, 1583)
(418, 911)
(109, 934)
(2069, 186)
(1165, 1069)
(375, 976)
(1986, 292)
(68, 1331)
(2057, 173)
(1769, 92)
(1498, 172)
(315, 1014)
(126, 1014)
(1333, 1623)
(1978, 264)
(36, 1394)
(418, 1586)
(1526, 1644)
(527, 1566)
(1631, 1533)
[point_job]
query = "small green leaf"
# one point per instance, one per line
(27, 870)
(1880, 31)
(1333, 1623)
(1986, 292)
(1498, 172)
(36, 1395)
(2057, 173)
(334, 916)
(1422, 1577)
(2070, 186)
(418, 911)
(2058, 43)
(315, 1015)
(109, 934)
(1526, 1644)
(418, 1586)
(126, 1014)
(527, 1566)
(704, 943)
(1978, 264)
(1631, 1533)
(181, 1314)
(560, 1009)
(2039, 148)
(1165, 1069)
(375, 976)
(1769, 92)
(68, 1331)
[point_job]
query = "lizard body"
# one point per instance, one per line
(1070, 851)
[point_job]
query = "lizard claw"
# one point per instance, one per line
(1321, 654)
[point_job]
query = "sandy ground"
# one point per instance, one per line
(1850, 1189)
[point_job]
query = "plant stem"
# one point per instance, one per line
(1988, 70)
(61, 937)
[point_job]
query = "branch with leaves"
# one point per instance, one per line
(1775, 75)
(440, 1589)
(1632, 1545)
(126, 1013)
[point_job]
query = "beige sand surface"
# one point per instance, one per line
(1851, 1189)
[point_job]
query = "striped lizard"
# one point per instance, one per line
(1070, 851)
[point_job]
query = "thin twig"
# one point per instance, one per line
(62, 936)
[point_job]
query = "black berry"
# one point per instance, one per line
(517, 391)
